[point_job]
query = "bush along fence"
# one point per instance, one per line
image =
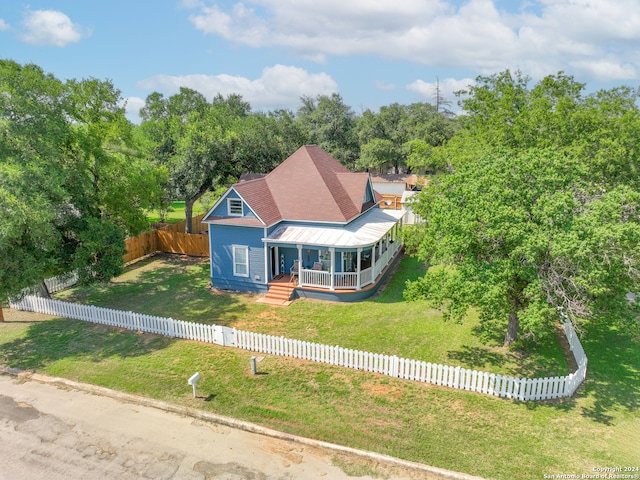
(523, 389)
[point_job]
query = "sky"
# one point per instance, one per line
(372, 52)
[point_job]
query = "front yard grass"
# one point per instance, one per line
(481, 435)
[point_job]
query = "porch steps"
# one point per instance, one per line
(278, 294)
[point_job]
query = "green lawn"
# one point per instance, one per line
(482, 435)
(174, 215)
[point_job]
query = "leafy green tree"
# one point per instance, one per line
(259, 144)
(111, 177)
(168, 126)
(377, 154)
(33, 204)
(205, 145)
(523, 235)
(288, 133)
(403, 137)
(330, 123)
(536, 213)
(382, 137)
(66, 199)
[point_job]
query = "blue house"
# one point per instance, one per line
(310, 228)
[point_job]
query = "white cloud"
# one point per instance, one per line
(448, 87)
(605, 70)
(279, 86)
(382, 85)
(50, 27)
(544, 35)
(132, 107)
(3, 25)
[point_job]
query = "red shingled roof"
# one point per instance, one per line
(310, 185)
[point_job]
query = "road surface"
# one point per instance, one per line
(54, 432)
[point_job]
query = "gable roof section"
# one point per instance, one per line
(232, 220)
(258, 196)
(309, 186)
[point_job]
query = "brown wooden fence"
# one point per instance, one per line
(170, 239)
(194, 244)
(197, 225)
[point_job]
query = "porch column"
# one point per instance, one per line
(358, 287)
(373, 262)
(332, 267)
(267, 262)
(299, 265)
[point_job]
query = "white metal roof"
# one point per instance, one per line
(363, 231)
(407, 195)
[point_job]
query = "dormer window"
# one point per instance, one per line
(234, 206)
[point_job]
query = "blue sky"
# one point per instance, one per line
(372, 52)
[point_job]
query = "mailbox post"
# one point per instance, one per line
(192, 381)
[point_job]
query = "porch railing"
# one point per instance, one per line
(366, 276)
(315, 278)
(348, 280)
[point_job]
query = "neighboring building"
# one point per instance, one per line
(396, 190)
(310, 228)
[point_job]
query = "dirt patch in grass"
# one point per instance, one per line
(389, 392)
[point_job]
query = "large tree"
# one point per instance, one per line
(330, 123)
(403, 136)
(205, 145)
(524, 236)
(64, 172)
(33, 204)
(113, 181)
(540, 210)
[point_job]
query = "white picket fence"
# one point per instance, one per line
(55, 284)
(503, 386)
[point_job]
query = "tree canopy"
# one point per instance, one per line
(402, 137)
(532, 220)
(71, 183)
(204, 145)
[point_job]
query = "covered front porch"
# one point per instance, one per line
(339, 260)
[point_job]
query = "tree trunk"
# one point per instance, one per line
(1, 313)
(188, 205)
(188, 213)
(44, 290)
(512, 329)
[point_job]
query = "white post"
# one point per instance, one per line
(192, 381)
(373, 262)
(267, 261)
(358, 267)
(299, 265)
(332, 266)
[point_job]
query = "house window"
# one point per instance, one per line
(240, 261)
(234, 206)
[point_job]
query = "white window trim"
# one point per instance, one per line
(233, 252)
(229, 200)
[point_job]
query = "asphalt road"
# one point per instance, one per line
(54, 432)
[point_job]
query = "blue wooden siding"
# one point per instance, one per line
(222, 209)
(222, 239)
(369, 197)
